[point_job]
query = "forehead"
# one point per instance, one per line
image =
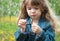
(30, 6)
(32, 3)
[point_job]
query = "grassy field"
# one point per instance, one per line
(8, 26)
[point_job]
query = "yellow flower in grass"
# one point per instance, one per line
(1, 32)
(11, 38)
(3, 39)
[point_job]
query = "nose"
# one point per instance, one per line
(32, 10)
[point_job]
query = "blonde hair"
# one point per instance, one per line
(53, 18)
(45, 9)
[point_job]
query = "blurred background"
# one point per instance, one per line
(9, 11)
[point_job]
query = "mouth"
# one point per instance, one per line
(33, 15)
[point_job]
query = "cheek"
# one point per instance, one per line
(38, 12)
(28, 11)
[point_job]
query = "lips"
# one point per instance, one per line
(33, 15)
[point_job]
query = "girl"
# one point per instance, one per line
(35, 22)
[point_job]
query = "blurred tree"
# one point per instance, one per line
(9, 7)
(55, 4)
(12, 7)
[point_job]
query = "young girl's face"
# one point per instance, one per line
(33, 11)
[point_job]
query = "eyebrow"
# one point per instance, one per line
(32, 6)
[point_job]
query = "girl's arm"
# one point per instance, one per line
(20, 36)
(46, 35)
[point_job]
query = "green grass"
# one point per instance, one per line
(7, 30)
(57, 37)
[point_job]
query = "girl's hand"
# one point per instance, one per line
(35, 28)
(22, 24)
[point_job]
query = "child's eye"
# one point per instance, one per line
(36, 8)
(29, 8)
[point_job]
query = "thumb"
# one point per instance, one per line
(34, 24)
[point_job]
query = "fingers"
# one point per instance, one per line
(22, 23)
(35, 28)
